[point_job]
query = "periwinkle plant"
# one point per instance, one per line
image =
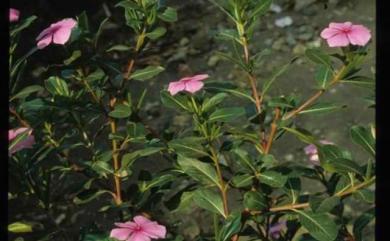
(86, 119)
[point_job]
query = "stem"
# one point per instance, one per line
(335, 79)
(222, 186)
(115, 158)
(342, 193)
(273, 131)
(17, 116)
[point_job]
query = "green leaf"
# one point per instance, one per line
(147, 73)
(99, 32)
(319, 57)
(261, 8)
(129, 158)
(343, 165)
(119, 47)
(241, 181)
(255, 201)
(228, 34)
(156, 182)
(361, 81)
(328, 204)
(319, 225)
(26, 92)
(213, 101)
(362, 136)
(361, 222)
(82, 21)
(120, 111)
(156, 33)
(75, 55)
(169, 15)
(302, 134)
(19, 227)
(209, 200)
(227, 114)
(57, 86)
(88, 196)
(365, 195)
(175, 102)
(245, 160)
(188, 146)
(273, 179)
(26, 23)
(226, 87)
(231, 226)
(323, 75)
(320, 108)
(200, 171)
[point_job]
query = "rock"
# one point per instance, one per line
(299, 49)
(275, 8)
(291, 39)
(315, 43)
(278, 44)
(289, 157)
(184, 41)
(305, 36)
(301, 4)
(213, 60)
(284, 22)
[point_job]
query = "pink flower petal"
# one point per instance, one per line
(138, 236)
(14, 15)
(129, 225)
(120, 233)
(15, 132)
(141, 220)
(154, 230)
(329, 32)
(58, 32)
(193, 86)
(341, 26)
(310, 149)
(45, 41)
(198, 77)
(338, 40)
(359, 35)
(176, 87)
(62, 34)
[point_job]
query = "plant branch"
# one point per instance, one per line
(273, 131)
(319, 93)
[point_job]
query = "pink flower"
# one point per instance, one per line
(26, 143)
(312, 152)
(189, 84)
(14, 15)
(58, 33)
(343, 34)
(276, 229)
(142, 229)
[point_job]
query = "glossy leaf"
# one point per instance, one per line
(169, 15)
(320, 225)
(209, 200)
(255, 201)
(188, 146)
(200, 171)
(120, 111)
(226, 114)
(57, 86)
(147, 73)
(19, 227)
(273, 178)
(363, 137)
